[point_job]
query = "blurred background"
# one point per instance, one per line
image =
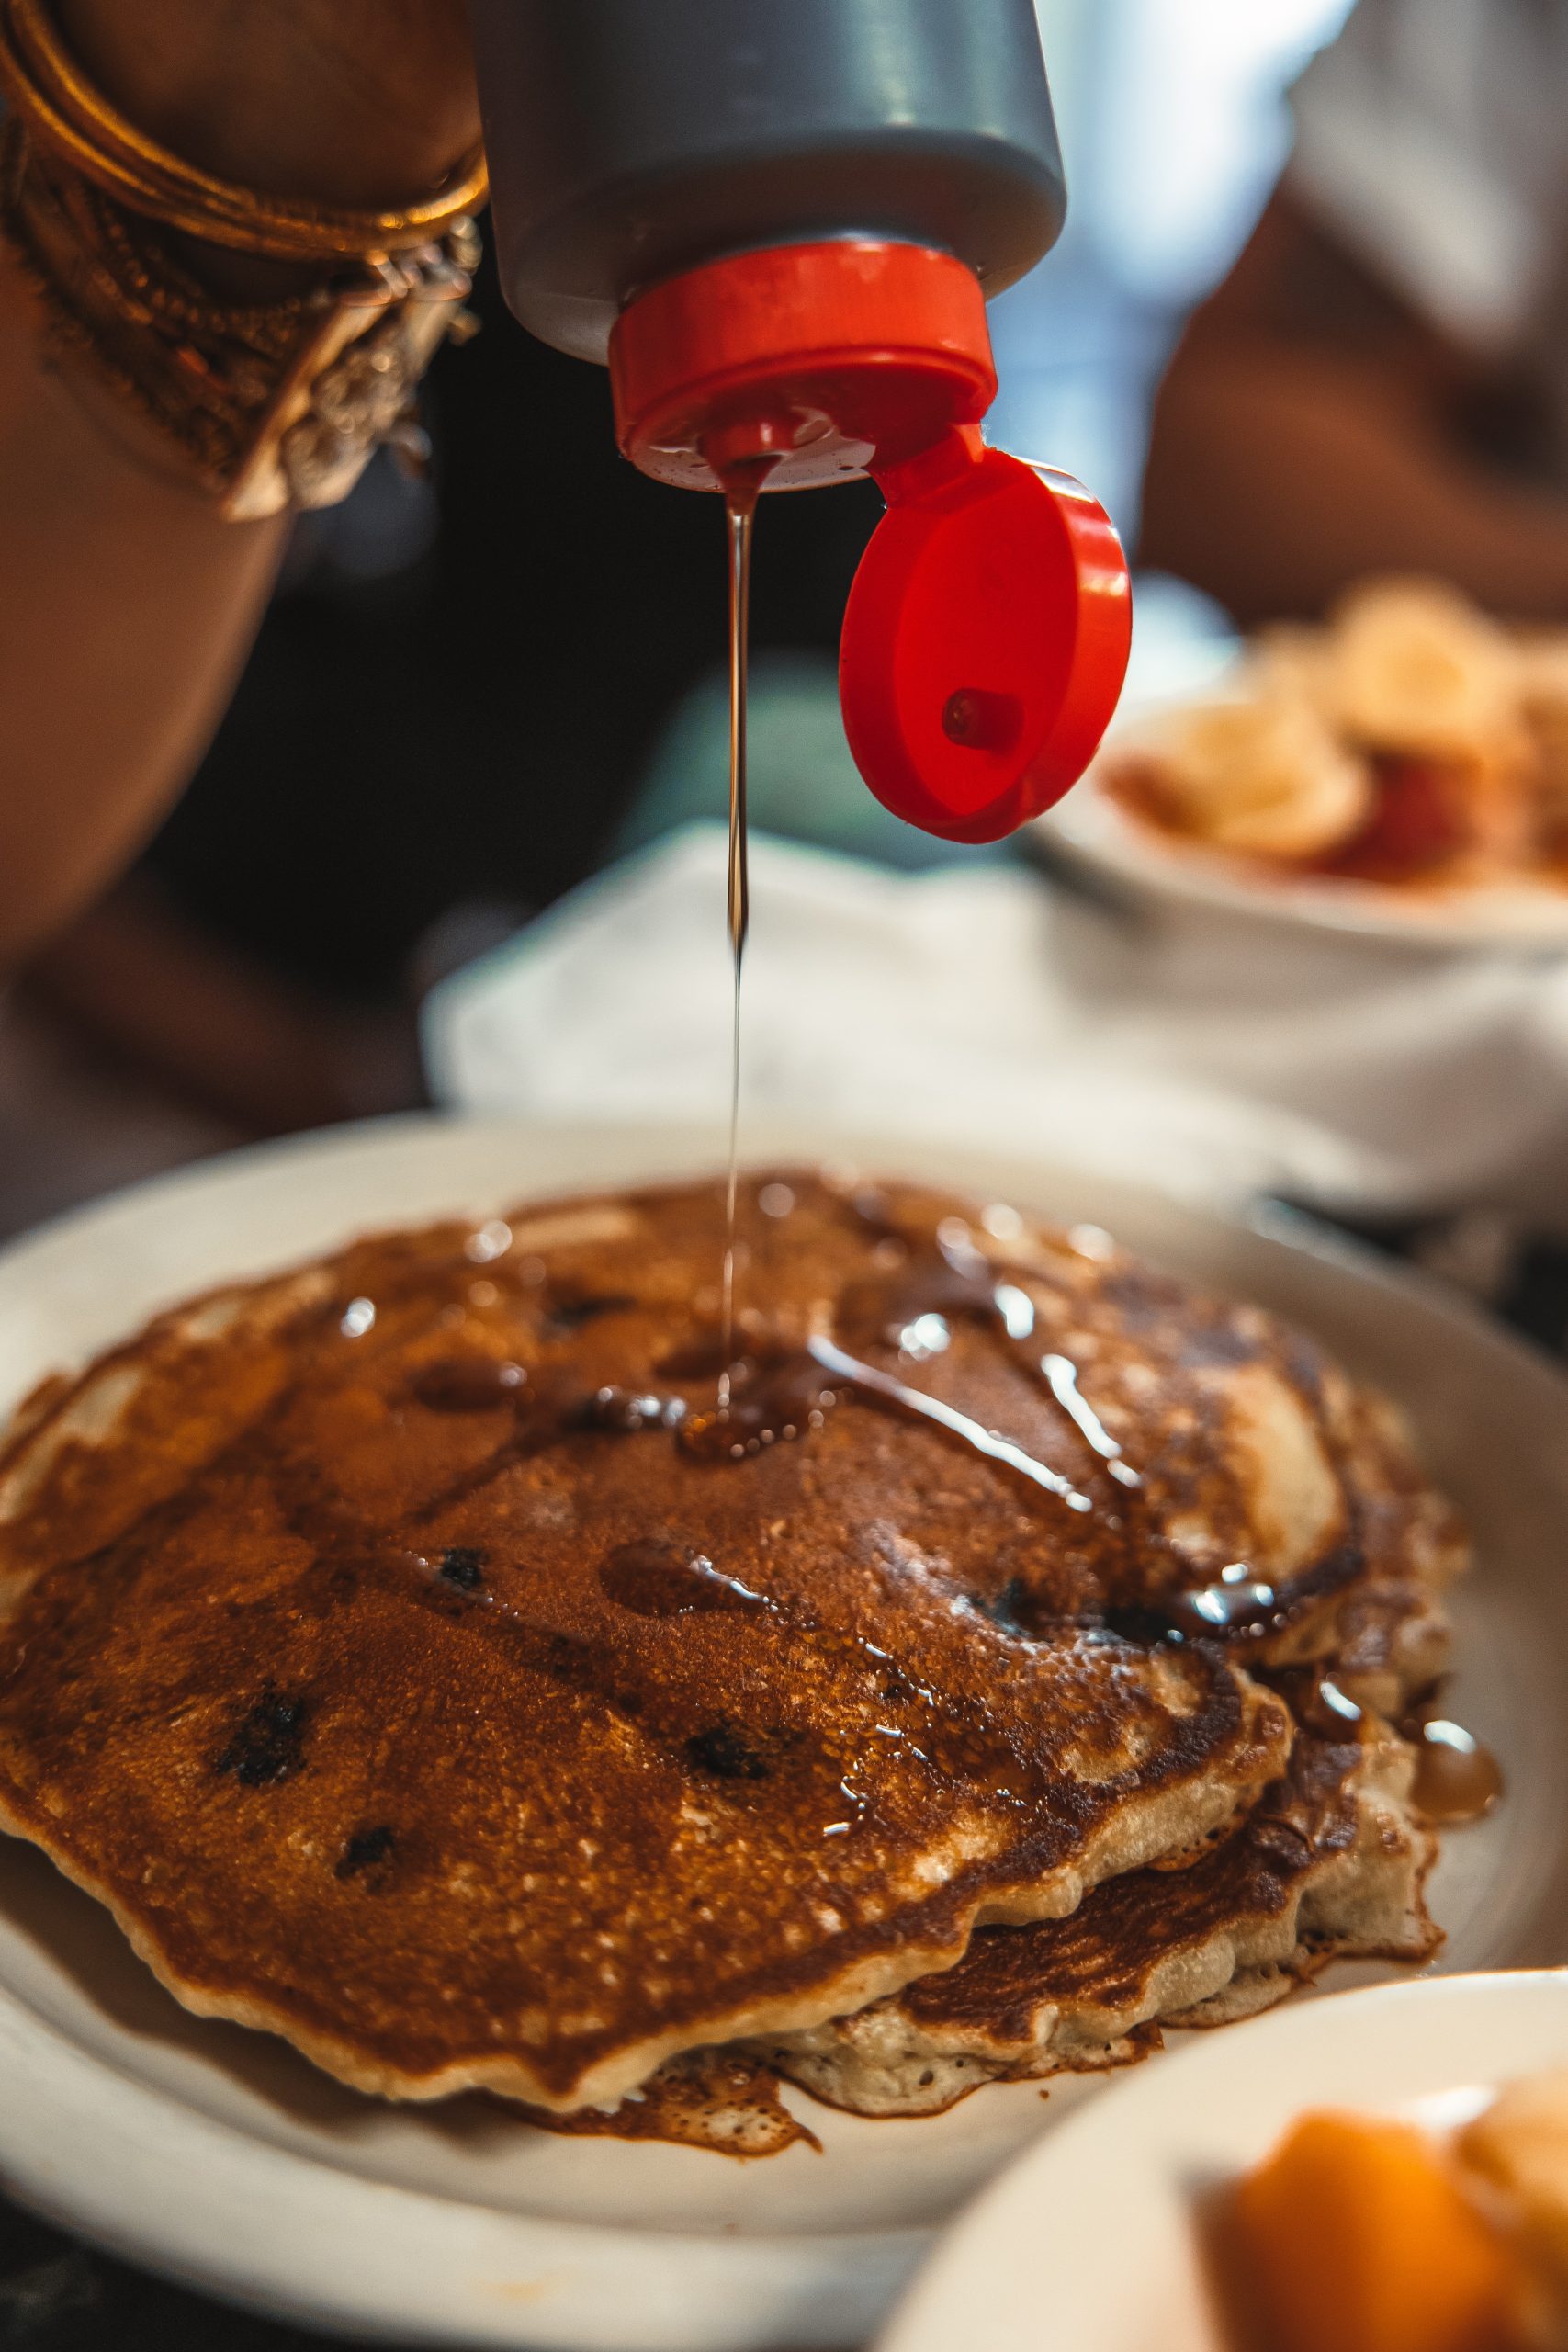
(473, 689)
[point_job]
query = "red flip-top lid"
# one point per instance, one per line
(986, 639)
(987, 632)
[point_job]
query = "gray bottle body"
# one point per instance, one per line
(632, 139)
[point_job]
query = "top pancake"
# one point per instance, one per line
(423, 1685)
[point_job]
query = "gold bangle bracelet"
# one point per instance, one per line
(261, 405)
(63, 112)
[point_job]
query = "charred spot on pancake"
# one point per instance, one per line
(1011, 1611)
(972, 1752)
(468, 1384)
(896, 1688)
(462, 1564)
(1142, 1626)
(267, 1744)
(721, 1751)
(364, 1850)
(567, 1311)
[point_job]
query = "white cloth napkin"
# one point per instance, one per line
(1213, 1055)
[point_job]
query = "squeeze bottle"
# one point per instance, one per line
(778, 222)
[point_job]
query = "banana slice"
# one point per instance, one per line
(1414, 667)
(1264, 778)
(1520, 2145)
(1293, 662)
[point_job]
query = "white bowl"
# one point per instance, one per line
(1088, 2244)
(1092, 831)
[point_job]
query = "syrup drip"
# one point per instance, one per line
(764, 1400)
(1062, 1379)
(1235, 1603)
(786, 1396)
(1239, 1603)
(656, 1576)
(1456, 1778)
(949, 1282)
(884, 1388)
(1337, 1709)
(1320, 1705)
(911, 1312)
(741, 491)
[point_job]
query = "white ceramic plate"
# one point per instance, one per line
(222, 2157)
(1088, 2244)
(1093, 831)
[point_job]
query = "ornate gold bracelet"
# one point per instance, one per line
(266, 404)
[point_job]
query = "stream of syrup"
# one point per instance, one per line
(741, 491)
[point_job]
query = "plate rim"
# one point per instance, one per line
(202, 2157)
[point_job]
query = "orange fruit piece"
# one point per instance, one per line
(1354, 2236)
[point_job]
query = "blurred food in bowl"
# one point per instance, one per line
(1409, 740)
(1371, 2233)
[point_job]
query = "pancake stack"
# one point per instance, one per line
(435, 1658)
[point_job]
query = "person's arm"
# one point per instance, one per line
(127, 606)
(1309, 430)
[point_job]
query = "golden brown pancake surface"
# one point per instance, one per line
(401, 1652)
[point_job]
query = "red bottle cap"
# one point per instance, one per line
(827, 360)
(987, 632)
(986, 639)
